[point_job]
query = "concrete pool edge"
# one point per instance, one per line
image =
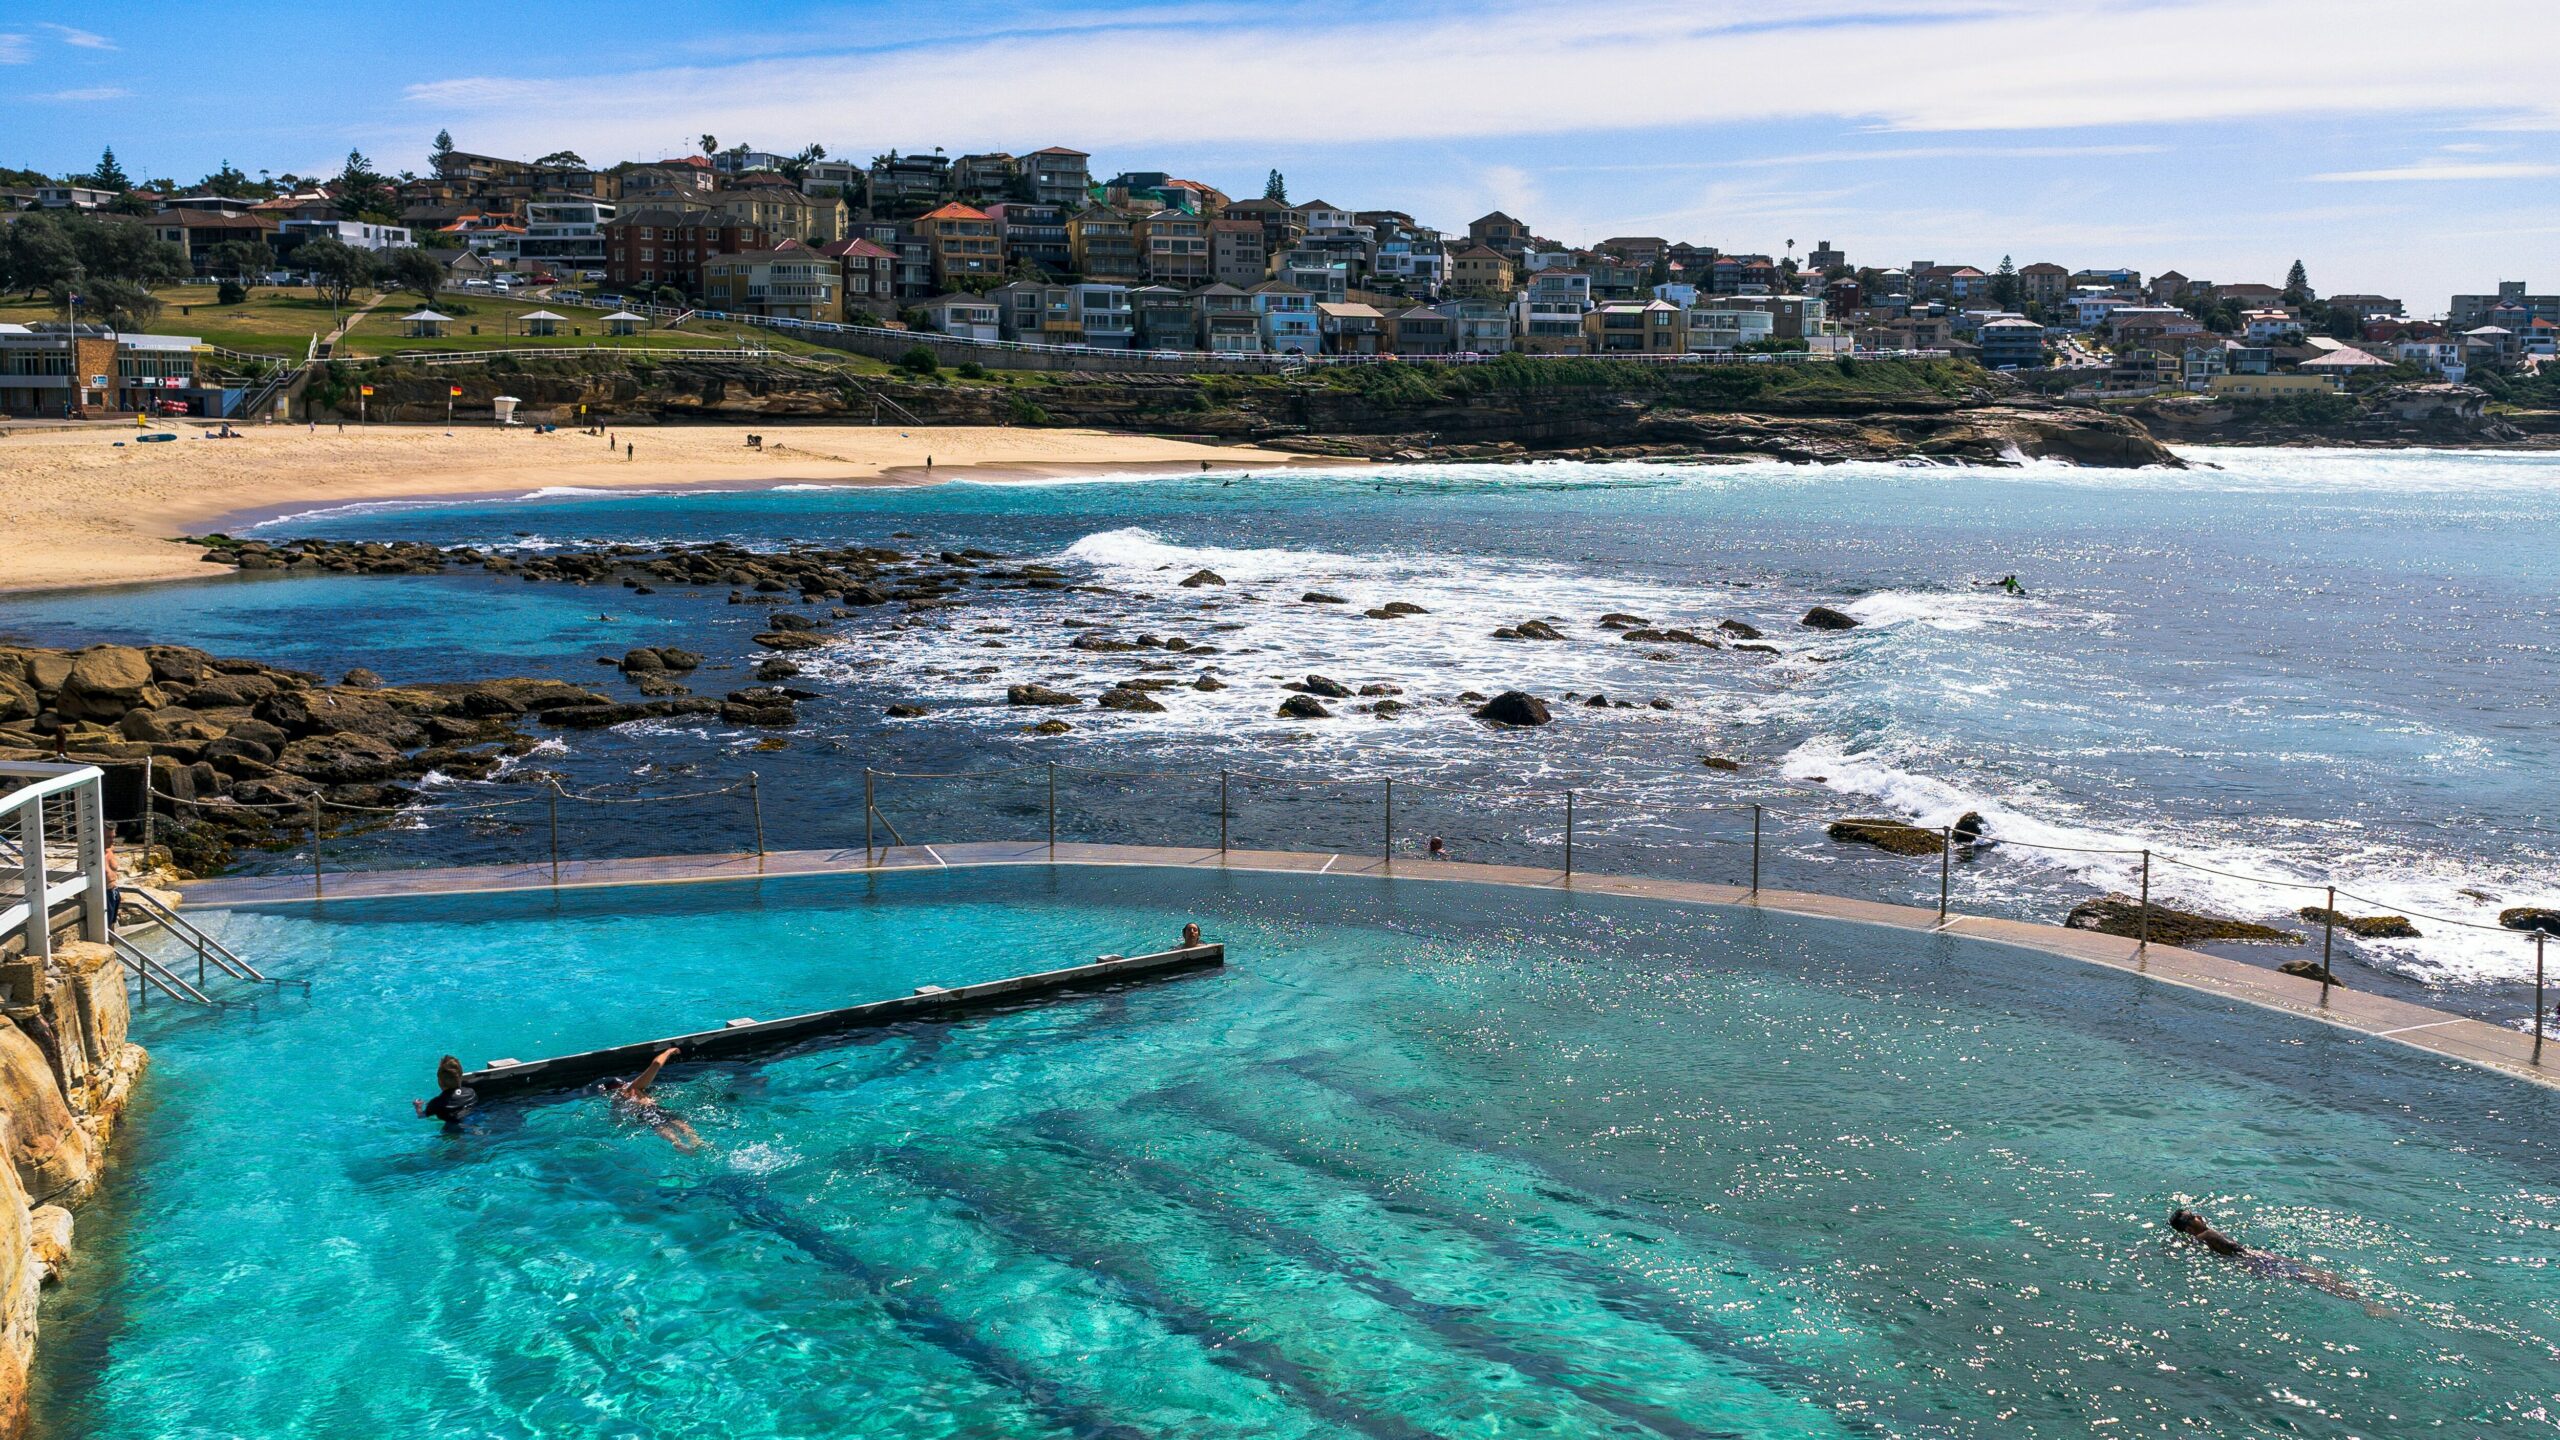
(2452, 1037)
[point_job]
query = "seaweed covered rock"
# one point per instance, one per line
(2363, 927)
(1028, 694)
(1892, 836)
(1304, 707)
(2531, 917)
(2125, 916)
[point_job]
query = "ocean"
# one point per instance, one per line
(2302, 667)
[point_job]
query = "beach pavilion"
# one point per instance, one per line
(541, 322)
(426, 324)
(623, 322)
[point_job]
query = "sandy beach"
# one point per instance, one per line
(78, 509)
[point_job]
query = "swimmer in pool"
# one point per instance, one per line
(631, 1098)
(1190, 935)
(453, 1098)
(2266, 1262)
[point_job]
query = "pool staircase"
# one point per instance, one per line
(143, 913)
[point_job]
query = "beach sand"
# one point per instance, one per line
(76, 509)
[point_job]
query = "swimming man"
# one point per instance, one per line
(2265, 1262)
(631, 1098)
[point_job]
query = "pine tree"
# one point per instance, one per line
(2004, 283)
(442, 148)
(2297, 285)
(1276, 187)
(109, 175)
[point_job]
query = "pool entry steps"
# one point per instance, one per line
(742, 1039)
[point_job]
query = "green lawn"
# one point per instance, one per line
(281, 322)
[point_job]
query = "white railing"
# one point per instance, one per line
(53, 847)
(577, 352)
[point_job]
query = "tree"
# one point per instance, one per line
(226, 181)
(238, 262)
(710, 144)
(336, 269)
(440, 152)
(2004, 284)
(1275, 186)
(564, 159)
(109, 175)
(118, 304)
(416, 271)
(2297, 285)
(362, 193)
(35, 254)
(797, 166)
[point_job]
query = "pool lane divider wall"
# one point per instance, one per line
(747, 1039)
(2510, 1052)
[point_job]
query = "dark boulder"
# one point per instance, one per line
(1968, 828)
(1122, 697)
(2363, 927)
(1823, 617)
(361, 679)
(1304, 707)
(785, 620)
(2311, 970)
(1038, 695)
(1514, 707)
(1892, 836)
(907, 711)
(1208, 682)
(1318, 597)
(1325, 686)
(1739, 629)
(1719, 762)
(1403, 607)
(1048, 727)
(1198, 578)
(2123, 915)
(2531, 917)
(788, 640)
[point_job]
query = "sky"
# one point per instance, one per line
(2398, 148)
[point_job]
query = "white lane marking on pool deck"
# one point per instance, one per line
(2430, 1025)
(937, 857)
(1328, 863)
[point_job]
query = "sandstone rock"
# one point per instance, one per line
(776, 668)
(52, 1154)
(107, 680)
(49, 1241)
(772, 714)
(1823, 617)
(1893, 836)
(2123, 915)
(18, 699)
(785, 620)
(659, 682)
(1514, 707)
(641, 660)
(360, 678)
(1198, 578)
(2310, 970)
(789, 640)
(1038, 695)
(1304, 707)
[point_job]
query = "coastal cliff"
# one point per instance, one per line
(66, 1074)
(1510, 408)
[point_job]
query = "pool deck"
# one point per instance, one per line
(2453, 1037)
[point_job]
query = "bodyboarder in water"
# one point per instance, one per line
(632, 1100)
(2266, 1262)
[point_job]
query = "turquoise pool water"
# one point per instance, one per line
(1425, 1160)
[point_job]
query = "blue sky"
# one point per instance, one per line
(2400, 148)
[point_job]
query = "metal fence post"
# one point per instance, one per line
(1755, 851)
(1053, 809)
(1946, 864)
(1387, 833)
(2538, 938)
(1568, 833)
(315, 845)
(150, 817)
(866, 816)
(755, 803)
(555, 832)
(2142, 923)
(1222, 814)
(2328, 933)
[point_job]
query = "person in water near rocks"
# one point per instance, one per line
(1190, 935)
(2265, 1262)
(2010, 584)
(1439, 848)
(453, 1098)
(631, 1099)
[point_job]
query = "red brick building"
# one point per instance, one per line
(656, 246)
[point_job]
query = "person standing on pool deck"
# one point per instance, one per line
(453, 1098)
(2265, 1262)
(632, 1098)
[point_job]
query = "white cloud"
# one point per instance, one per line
(2446, 170)
(14, 49)
(85, 39)
(99, 92)
(1521, 68)
(1953, 152)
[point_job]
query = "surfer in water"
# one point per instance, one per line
(632, 1100)
(2266, 1262)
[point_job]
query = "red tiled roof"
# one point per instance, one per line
(957, 211)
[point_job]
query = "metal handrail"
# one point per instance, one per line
(207, 948)
(151, 972)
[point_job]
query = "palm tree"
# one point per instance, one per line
(710, 144)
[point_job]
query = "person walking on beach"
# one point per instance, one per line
(453, 1098)
(632, 1100)
(626, 450)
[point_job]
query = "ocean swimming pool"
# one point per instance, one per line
(1424, 1160)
